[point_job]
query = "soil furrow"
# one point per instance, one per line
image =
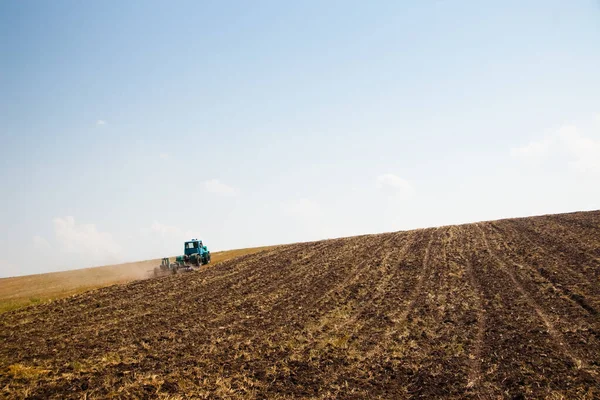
(574, 260)
(475, 374)
(543, 315)
(549, 267)
(538, 310)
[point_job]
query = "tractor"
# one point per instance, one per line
(195, 254)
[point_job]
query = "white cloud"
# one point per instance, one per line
(40, 243)
(303, 208)
(100, 122)
(164, 156)
(394, 185)
(584, 151)
(84, 239)
(535, 151)
(581, 151)
(170, 231)
(218, 187)
(163, 229)
(162, 240)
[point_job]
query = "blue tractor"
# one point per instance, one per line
(195, 254)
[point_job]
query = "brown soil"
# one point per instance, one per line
(502, 309)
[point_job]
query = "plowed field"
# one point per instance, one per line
(22, 291)
(503, 309)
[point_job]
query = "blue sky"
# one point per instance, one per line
(127, 127)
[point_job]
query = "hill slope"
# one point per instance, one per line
(495, 309)
(22, 291)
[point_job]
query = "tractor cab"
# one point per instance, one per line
(195, 252)
(194, 246)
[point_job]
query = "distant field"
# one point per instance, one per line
(23, 291)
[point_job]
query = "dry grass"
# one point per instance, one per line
(23, 291)
(20, 371)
